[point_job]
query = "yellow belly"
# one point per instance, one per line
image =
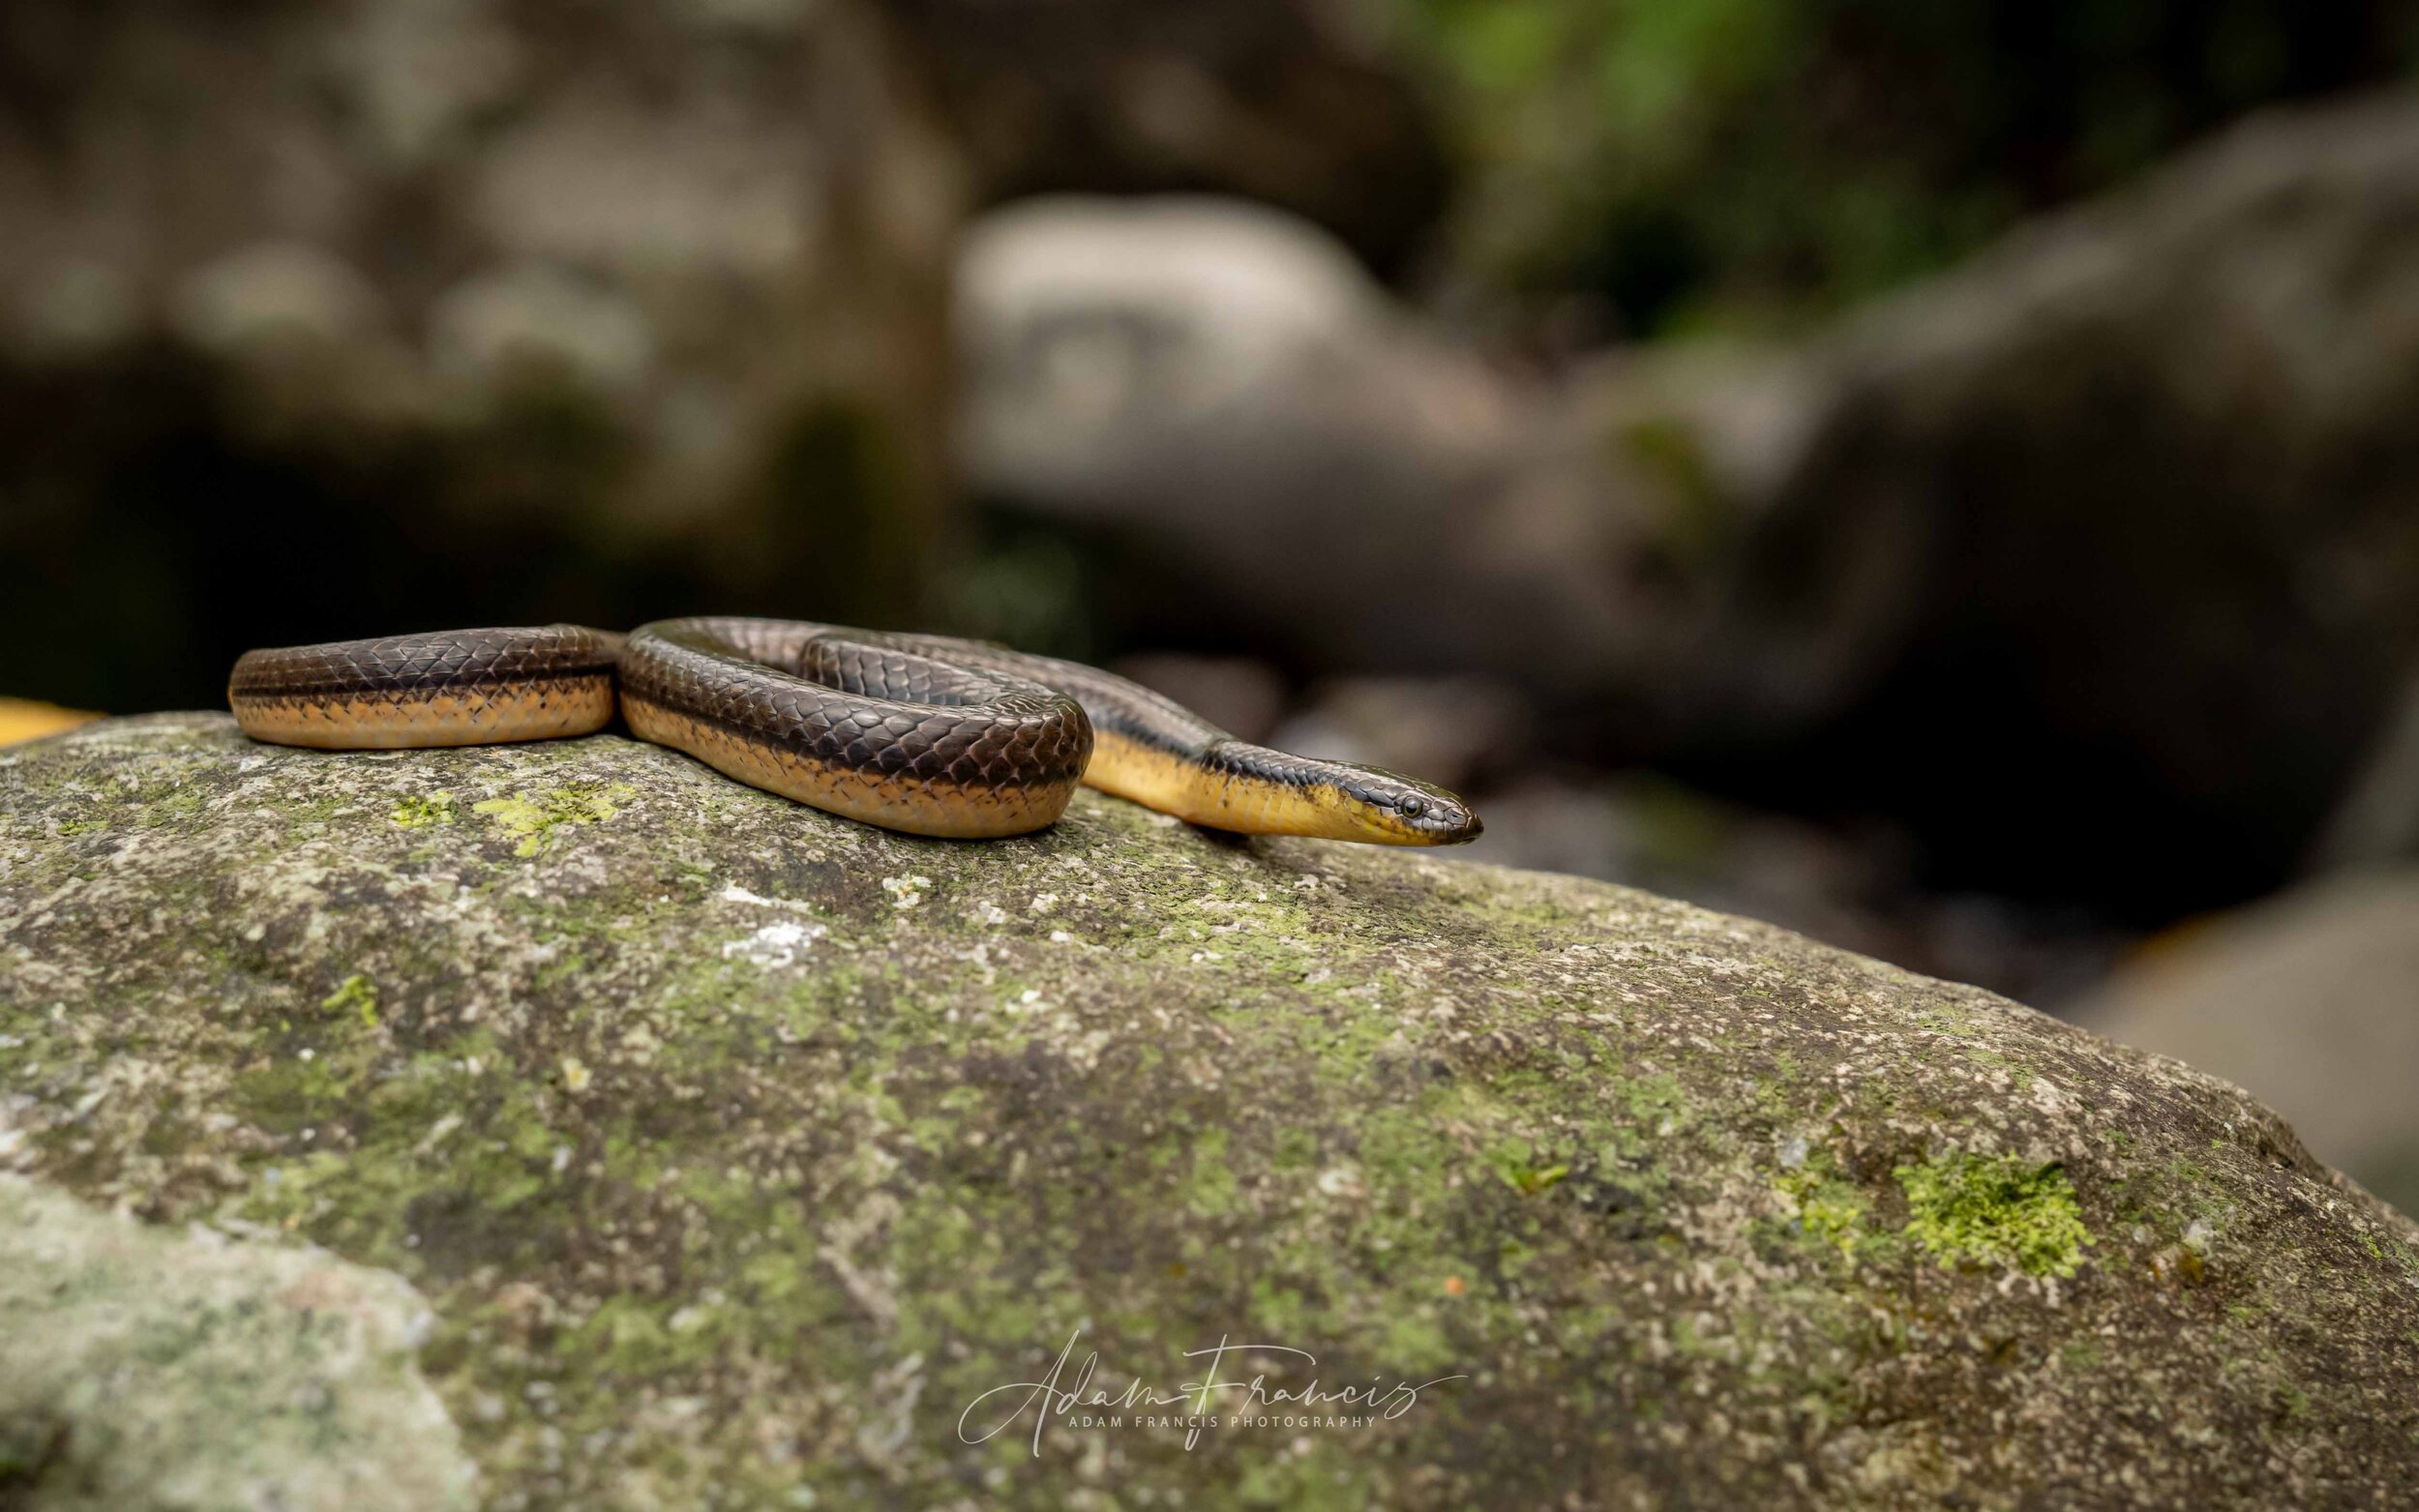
(1180, 786)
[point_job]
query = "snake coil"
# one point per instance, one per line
(927, 735)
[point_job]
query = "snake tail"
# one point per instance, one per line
(454, 687)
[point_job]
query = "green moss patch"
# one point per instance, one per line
(531, 820)
(1826, 1209)
(1965, 1210)
(421, 809)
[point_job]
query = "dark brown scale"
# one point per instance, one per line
(1114, 705)
(1118, 707)
(922, 733)
(864, 728)
(408, 668)
(454, 687)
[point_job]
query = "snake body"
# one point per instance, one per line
(927, 735)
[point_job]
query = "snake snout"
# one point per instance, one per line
(1402, 811)
(1452, 824)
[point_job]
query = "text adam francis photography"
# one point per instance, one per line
(1093, 755)
(1078, 1393)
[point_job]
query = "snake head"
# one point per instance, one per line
(1388, 808)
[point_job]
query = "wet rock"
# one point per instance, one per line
(738, 1150)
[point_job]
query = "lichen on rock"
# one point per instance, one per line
(739, 1150)
(144, 1369)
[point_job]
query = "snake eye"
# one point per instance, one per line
(1413, 806)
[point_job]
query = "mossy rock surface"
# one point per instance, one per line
(737, 1149)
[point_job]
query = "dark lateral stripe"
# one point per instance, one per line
(874, 770)
(825, 766)
(1146, 736)
(271, 687)
(1259, 763)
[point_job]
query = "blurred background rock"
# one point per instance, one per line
(1939, 478)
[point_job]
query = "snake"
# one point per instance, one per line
(922, 733)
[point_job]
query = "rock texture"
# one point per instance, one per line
(2311, 999)
(739, 1150)
(147, 1370)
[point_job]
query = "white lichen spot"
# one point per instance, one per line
(988, 915)
(1044, 902)
(1339, 1180)
(576, 1073)
(775, 944)
(2197, 1237)
(906, 892)
(1061, 938)
(1027, 1001)
(436, 1134)
(734, 893)
(1793, 1151)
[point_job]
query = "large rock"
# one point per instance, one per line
(740, 1150)
(1272, 452)
(2121, 513)
(147, 1369)
(2118, 513)
(2311, 999)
